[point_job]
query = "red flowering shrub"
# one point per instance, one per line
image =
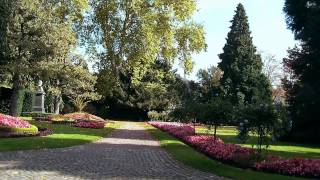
(295, 166)
(90, 124)
(234, 154)
(13, 122)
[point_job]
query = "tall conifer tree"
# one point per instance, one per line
(303, 63)
(243, 80)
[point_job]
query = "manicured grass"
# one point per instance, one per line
(285, 149)
(64, 136)
(191, 157)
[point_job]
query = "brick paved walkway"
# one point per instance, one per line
(128, 153)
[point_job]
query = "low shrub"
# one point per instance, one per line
(16, 132)
(90, 124)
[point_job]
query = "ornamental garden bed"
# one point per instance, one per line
(16, 127)
(239, 156)
(81, 120)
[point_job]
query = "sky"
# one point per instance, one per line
(267, 24)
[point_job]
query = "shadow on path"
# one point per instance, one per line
(128, 153)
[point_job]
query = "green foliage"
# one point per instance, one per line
(72, 80)
(158, 116)
(302, 65)
(28, 101)
(242, 80)
(32, 130)
(48, 102)
(210, 82)
(217, 112)
(36, 31)
(21, 94)
(262, 120)
(141, 40)
(80, 103)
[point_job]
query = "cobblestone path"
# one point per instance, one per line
(128, 153)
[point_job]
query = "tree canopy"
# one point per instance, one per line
(137, 43)
(303, 66)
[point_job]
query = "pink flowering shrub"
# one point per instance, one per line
(12, 122)
(176, 129)
(232, 153)
(214, 147)
(83, 116)
(295, 166)
(90, 124)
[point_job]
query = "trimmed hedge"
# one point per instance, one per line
(5, 95)
(28, 101)
(5, 100)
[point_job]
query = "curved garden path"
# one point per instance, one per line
(128, 153)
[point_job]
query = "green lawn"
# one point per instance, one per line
(191, 157)
(285, 149)
(64, 136)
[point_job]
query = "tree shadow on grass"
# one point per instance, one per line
(103, 160)
(63, 136)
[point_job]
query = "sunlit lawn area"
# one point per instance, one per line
(229, 135)
(63, 136)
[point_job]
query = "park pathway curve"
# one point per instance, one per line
(128, 153)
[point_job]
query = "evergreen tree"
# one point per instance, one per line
(243, 81)
(303, 64)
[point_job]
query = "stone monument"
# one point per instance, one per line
(39, 99)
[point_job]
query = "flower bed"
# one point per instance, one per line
(240, 156)
(83, 116)
(214, 147)
(295, 166)
(90, 124)
(15, 127)
(9, 121)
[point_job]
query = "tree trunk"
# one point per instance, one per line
(215, 131)
(15, 96)
(57, 103)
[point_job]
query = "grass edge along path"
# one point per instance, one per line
(189, 156)
(63, 136)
